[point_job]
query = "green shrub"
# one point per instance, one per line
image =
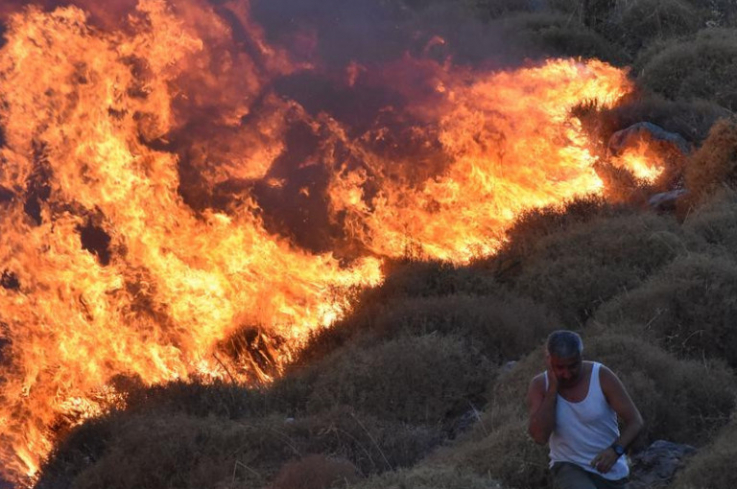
(428, 477)
(705, 67)
(713, 466)
(577, 269)
(715, 163)
(690, 307)
(424, 379)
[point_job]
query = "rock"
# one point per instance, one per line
(655, 466)
(648, 131)
(665, 201)
(507, 367)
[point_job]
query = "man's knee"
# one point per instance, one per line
(571, 476)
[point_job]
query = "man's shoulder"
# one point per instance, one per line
(538, 381)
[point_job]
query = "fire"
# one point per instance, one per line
(513, 146)
(112, 266)
(643, 161)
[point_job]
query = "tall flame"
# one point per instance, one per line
(108, 270)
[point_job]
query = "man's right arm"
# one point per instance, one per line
(541, 409)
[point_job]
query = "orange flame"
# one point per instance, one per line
(643, 161)
(82, 112)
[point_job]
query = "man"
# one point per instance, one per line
(574, 405)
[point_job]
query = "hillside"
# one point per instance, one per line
(422, 384)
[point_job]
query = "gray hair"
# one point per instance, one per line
(564, 344)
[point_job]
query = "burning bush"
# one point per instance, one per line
(688, 307)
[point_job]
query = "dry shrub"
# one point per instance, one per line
(634, 23)
(713, 466)
(689, 307)
(221, 399)
(715, 163)
(544, 35)
(507, 454)
(503, 326)
(691, 119)
(407, 282)
(716, 221)
(174, 450)
(684, 401)
(373, 445)
(705, 67)
(429, 279)
(167, 451)
(315, 472)
(574, 271)
(428, 477)
(536, 224)
(426, 379)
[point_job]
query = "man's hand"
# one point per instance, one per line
(605, 460)
(552, 379)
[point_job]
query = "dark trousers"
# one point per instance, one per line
(571, 476)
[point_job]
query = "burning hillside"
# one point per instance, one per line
(182, 198)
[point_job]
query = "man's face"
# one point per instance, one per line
(568, 370)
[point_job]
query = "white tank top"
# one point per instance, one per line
(583, 429)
